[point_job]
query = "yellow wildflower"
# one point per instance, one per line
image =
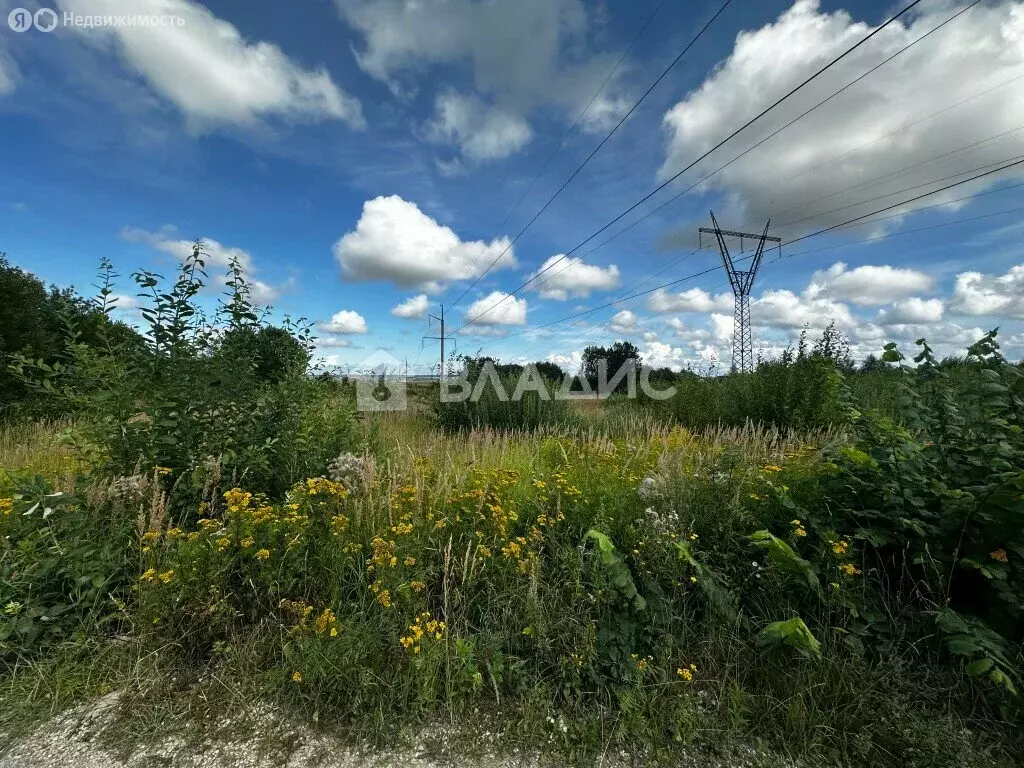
(849, 569)
(297, 676)
(326, 620)
(263, 554)
(999, 556)
(149, 575)
(166, 577)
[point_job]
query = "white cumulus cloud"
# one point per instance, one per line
(210, 71)
(692, 300)
(657, 354)
(624, 321)
(523, 56)
(332, 342)
(570, 363)
(481, 131)
(344, 322)
(216, 256)
(572, 277)
(395, 241)
(877, 125)
(912, 310)
(976, 293)
(868, 285)
(785, 309)
(498, 308)
(412, 308)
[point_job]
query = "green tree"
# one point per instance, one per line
(549, 371)
(39, 323)
(275, 352)
(617, 356)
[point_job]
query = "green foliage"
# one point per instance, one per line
(792, 633)
(617, 574)
(983, 650)
(800, 394)
(209, 399)
(618, 586)
(718, 597)
(38, 324)
(63, 569)
(501, 397)
(620, 354)
(786, 560)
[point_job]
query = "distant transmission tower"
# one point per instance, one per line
(741, 282)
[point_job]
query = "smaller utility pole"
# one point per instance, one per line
(441, 338)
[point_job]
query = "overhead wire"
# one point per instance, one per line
(597, 149)
(676, 307)
(565, 137)
(869, 219)
(819, 232)
(777, 131)
(840, 156)
(671, 179)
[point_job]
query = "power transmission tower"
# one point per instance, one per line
(741, 282)
(442, 338)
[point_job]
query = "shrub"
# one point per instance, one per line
(209, 399)
(491, 402)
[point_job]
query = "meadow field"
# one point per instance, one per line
(823, 561)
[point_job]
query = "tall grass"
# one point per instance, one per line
(493, 404)
(604, 576)
(37, 448)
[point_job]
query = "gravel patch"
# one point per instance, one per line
(77, 740)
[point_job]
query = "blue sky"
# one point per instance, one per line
(365, 155)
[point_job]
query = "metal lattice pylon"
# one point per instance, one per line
(742, 281)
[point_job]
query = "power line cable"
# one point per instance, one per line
(743, 127)
(784, 127)
(675, 307)
(567, 134)
(858, 222)
(832, 159)
(890, 194)
(817, 233)
(596, 150)
(845, 190)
